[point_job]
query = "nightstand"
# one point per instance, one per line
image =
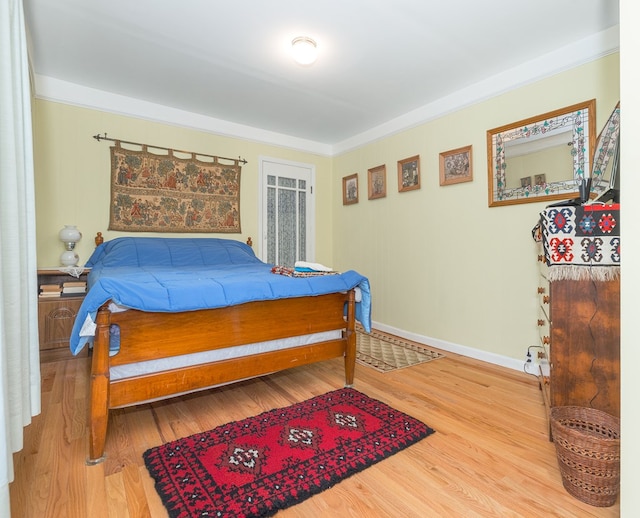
(56, 315)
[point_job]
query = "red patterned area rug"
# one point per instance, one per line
(265, 463)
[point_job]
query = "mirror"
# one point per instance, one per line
(541, 158)
(604, 159)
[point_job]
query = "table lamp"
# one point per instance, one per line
(69, 235)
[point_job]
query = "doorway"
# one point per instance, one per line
(286, 211)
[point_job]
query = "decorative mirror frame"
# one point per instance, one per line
(606, 147)
(581, 117)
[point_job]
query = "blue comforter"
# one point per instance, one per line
(183, 274)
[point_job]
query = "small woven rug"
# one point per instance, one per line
(279, 458)
(387, 353)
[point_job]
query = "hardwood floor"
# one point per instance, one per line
(490, 455)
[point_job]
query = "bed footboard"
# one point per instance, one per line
(146, 336)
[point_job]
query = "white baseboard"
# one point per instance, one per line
(463, 350)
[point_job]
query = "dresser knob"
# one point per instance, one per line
(546, 299)
(546, 340)
(541, 290)
(540, 322)
(541, 258)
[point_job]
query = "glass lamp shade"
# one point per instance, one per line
(69, 258)
(305, 50)
(69, 235)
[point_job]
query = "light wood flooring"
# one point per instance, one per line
(490, 455)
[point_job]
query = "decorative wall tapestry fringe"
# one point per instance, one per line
(153, 192)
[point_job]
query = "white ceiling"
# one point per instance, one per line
(382, 64)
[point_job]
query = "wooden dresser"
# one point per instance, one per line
(579, 321)
(585, 344)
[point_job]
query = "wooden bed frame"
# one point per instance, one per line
(149, 336)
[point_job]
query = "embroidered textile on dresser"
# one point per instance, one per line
(165, 193)
(582, 242)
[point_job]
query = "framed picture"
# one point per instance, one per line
(409, 174)
(540, 179)
(456, 166)
(350, 189)
(525, 182)
(378, 182)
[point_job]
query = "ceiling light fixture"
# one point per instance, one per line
(305, 50)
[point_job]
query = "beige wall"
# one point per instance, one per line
(443, 265)
(72, 172)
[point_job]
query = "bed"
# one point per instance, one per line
(169, 316)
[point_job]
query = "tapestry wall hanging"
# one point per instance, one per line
(153, 192)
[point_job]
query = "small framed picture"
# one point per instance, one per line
(377, 182)
(540, 179)
(350, 189)
(456, 166)
(409, 174)
(525, 182)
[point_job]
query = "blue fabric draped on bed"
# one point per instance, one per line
(182, 274)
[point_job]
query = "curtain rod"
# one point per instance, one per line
(99, 137)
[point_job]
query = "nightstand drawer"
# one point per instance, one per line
(55, 320)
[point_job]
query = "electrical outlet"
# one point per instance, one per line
(536, 362)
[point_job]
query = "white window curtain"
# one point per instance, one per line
(19, 356)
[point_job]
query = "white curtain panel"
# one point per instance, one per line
(19, 355)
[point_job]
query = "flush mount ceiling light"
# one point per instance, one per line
(305, 50)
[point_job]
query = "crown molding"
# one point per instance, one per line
(562, 59)
(56, 90)
(565, 58)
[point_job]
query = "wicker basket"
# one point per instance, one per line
(587, 445)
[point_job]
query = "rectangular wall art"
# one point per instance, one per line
(377, 182)
(350, 189)
(456, 166)
(166, 193)
(409, 174)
